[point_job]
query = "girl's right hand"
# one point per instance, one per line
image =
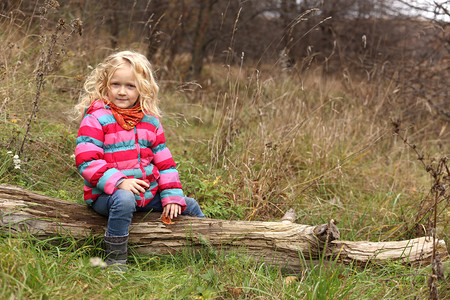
(136, 186)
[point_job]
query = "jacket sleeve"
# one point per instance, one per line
(169, 182)
(89, 155)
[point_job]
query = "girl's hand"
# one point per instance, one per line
(172, 210)
(136, 186)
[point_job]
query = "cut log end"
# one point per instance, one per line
(327, 232)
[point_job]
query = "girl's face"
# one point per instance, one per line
(122, 91)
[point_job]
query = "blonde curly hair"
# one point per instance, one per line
(97, 84)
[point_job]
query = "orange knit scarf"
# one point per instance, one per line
(127, 117)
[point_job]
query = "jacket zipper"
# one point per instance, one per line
(138, 149)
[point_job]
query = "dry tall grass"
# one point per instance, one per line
(321, 144)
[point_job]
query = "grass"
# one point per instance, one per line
(249, 145)
(60, 269)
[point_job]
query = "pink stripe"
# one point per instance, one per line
(168, 178)
(146, 126)
(92, 169)
(162, 155)
(128, 164)
(101, 112)
(147, 133)
(91, 121)
(145, 161)
(171, 185)
(174, 199)
(97, 104)
(122, 136)
(86, 147)
(166, 164)
(91, 131)
(113, 127)
(147, 153)
(121, 156)
(160, 130)
(111, 182)
(87, 156)
(160, 136)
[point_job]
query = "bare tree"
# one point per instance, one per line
(200, 42)
(155, 15)
(288, 14)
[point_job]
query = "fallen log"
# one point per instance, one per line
(281, 243)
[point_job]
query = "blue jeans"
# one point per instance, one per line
(120, 206)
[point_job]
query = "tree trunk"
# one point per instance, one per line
(156, 14)
(114, 23)
(288, 14)
(281, 243)
(199, 46)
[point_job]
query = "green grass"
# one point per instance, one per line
(60, 269)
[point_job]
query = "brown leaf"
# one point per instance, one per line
(166, 220)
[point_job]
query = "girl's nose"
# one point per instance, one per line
(122, 90)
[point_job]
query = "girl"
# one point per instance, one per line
(121, 150)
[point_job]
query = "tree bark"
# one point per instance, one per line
(279, 243)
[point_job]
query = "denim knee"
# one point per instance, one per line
(122, 205)
(192, 208)
(124, 201)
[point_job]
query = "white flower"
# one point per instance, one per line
(16, 161)
(97, 262)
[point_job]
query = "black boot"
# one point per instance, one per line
(116, 248)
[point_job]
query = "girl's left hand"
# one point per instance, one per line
(172, 210)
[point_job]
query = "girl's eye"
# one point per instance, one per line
(131, 86)
(114, 84)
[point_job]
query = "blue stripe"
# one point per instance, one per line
(84, 139)
(106, 120)
(169, 170)
(137, 173)
(148, 194)
(132, 172)
(148, 169)
(145, 143)
(151, 119)
(120, 146)
(96, 191)
(171, 192)
(102, 181)
(158, 148)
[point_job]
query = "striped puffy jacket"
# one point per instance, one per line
(106, 153)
